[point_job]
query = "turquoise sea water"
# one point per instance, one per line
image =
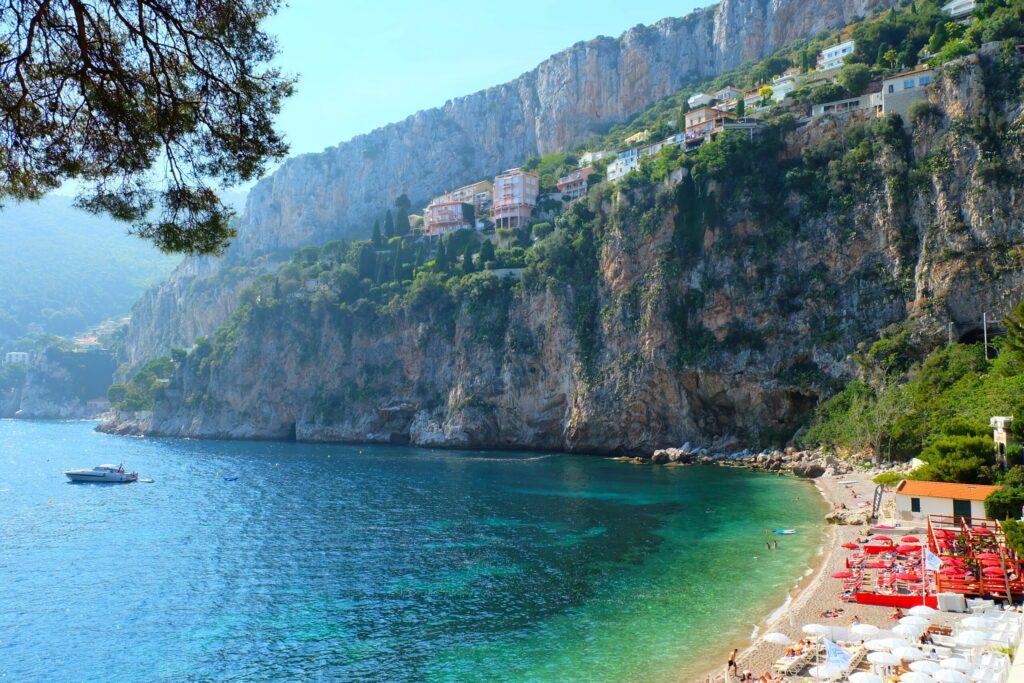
(379, 564)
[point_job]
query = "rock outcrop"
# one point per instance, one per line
(65, 385)
(581, 91)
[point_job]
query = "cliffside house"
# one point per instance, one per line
(17, 357)
(916, 500)
(415, 221)
(958, 9)
(704, 123)
(444, 217)
(627, 162)
(479, 194)
(835, 56)
(87, 344)
(701, 99)
(574, 185)
(728, 93)
(515, 197)
(590, 157)
(785, 84)
(901, 90)
(752, 99)
(869, 99)
(637, 138)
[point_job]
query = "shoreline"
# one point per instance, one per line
(812, 593)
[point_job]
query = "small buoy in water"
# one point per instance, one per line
(230, 478)
(50, 501)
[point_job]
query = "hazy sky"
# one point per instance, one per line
(367, 63)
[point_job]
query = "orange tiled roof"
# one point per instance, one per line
(938, 489)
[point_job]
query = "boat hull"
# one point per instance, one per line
(99, 477)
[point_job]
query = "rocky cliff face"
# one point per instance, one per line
(576, 93)
(65, 385)
(714, 312)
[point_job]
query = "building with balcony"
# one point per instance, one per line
(701, 99)
(626, 163)
(87, 344)
(704, 123)
(444, 217)
(835, 56)
(901, 90)
(958, 9)
(479, 194)
(17, 357)
(515, 197)
(590, 157)
(574, 185)
(785, 84)
(637, 138)
(728, 93)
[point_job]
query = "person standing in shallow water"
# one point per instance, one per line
(731, 667)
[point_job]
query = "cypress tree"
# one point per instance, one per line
(487, 252)
(442, 257)
(389, 225)
(467, 259)
(741, 107)
(376, 235)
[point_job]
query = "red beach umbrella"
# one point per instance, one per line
(953, 560)
(951, 571)
(908, 549)
(910, 539)
(990, 563)
(876, 565)
(981, 530)
(842, 575)
(907, 576)
(881, 539)
(992, 571)
(988, 556)
(850, 546)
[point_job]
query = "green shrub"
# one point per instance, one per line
(1006, 503)
(1014, 531)
(888, 479)
(958, 459)
(923, 111)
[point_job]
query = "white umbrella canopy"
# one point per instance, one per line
(971, 639)
(976, 622)
(883, 659)
(816, 629)
(865, 677)
(956, 663)
(909, 631)
(914, 621)
(826, 671)
(778, 639)
(922, 611)
(950, 676)
(877, 645)
(926, 666)
(916, 677)
(893, 643)
(866, 630)
(908, 654)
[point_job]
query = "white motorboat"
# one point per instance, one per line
(104, 474)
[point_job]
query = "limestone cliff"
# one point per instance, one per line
(574, 94)
(720, 309)
(64, 385)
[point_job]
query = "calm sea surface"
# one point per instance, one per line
(342, 563)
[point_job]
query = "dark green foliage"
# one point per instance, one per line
(377, 241)
(1006, 503)
(1014, 531)
(1014, 324)
(389, 225)
(487, 252)
(168, 84)
(141, 392)
(550, 168)
(958, 459)
(888, 479)
(854, 78)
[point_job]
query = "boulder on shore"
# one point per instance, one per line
(809, 470)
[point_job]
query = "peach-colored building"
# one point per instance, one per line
(574, 185)
(478, 194)
(442, 217)
(515, 196)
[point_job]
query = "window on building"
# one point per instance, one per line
(908, 84)
(892, 89)
(925, 80)
(915, 504)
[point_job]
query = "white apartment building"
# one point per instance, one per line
(835, 56)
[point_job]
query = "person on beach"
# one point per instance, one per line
(769, 544)
(731, 667)
(776, 545)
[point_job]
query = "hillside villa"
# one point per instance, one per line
(835, 56)
(515, 197)
(16, 357)
(574, 185)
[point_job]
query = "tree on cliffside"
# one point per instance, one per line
(143, 103)
(1014, 324)
(389, 225)
(402, 206)
(377, 241)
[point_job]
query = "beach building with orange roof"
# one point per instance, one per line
(916, 500)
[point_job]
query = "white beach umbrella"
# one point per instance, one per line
(778, 639)
(986, 675)
(816, 629)
(914, 621)
(908, 654)
(971, 639)
(956, 663)
(916, 677)
(893, 643)
(922, 611)
(865, 630)
(883, 659)
(877, 645)
(907, 631)
(865, 677)
(926, 666)
(949, 676)
(826, 671)
(975, 622)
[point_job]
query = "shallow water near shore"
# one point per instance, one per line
(380, 564)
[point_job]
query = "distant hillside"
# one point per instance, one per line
(62, 270)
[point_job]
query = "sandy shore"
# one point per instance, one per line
(818, 591)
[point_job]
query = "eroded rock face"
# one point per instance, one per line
(63, 385)
(581, 91)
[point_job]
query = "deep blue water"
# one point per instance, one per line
(378, 564)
